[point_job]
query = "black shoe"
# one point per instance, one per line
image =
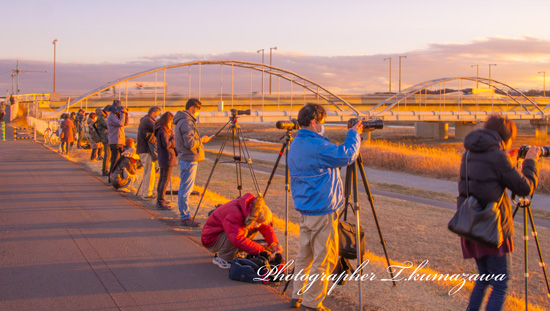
(195, 193)
(190, 223)
(105, 173)
(163, 206)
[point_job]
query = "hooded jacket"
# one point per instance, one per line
(145, 134)
(490, 173)
(232, 218)
(188, 139)
(166, 146)
(115, 127)
(314, 163)
(124, 167)
(101, 125)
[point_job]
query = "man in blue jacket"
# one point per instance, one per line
(317, 190)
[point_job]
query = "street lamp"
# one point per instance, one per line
(477, 75)
(262, 50)
(270, 62)
(400, 72)
(54, 46)
(490, 70)
(385, 59)
(544, 81)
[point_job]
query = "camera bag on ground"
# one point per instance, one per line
(254, 267)
(481, 224)
(348, 243)
(343, 265)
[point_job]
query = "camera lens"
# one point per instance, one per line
(377, 124)
(287, 125)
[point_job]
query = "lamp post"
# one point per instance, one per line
(544, 81)
(54, 47)
(262, 50)
(490, 70)
(270, 62)
(490, 85)
(385, 59)
(477, 75)
(400, 72)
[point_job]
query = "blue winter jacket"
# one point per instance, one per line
(314, 163)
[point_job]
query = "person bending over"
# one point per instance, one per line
(232, 226)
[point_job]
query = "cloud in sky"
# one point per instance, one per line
(518, 62)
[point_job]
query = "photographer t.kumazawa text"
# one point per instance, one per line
(277, 275)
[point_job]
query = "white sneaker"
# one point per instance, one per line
(220, 262)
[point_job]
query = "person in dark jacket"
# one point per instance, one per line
(101, 125)
(232, 226)
(79, 126)
(190, 152)
(166, 148)
(145, 142)
(67, 133)
(490, 173)
(124, 173)
(93, 138)
(116, 121)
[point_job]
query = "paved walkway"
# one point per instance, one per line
(69, 242)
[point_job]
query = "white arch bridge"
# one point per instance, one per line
(460, 99)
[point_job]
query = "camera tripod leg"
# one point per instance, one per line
(209, 178)
(369, 195)
(281, 152)
(541, 262)
(526, 252)
(244, 150)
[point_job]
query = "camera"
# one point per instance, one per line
(235, 112)
(288, 125)
(544, 151)
(368, 125)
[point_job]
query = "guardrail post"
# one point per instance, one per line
(3, 131)
(34, 132)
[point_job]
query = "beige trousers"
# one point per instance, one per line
(317, 257)
(148, 175)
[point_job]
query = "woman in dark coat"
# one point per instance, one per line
(67, 133)
(490, 173)
(166, 148)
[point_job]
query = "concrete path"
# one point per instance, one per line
(69, 242)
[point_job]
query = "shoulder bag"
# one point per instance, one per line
(481, 224)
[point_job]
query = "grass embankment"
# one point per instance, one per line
(439, 162)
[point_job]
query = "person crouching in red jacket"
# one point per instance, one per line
(232, 226)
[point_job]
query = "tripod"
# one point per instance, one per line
(525, 203)
(286, 144)
(239, 151)
(351, 189)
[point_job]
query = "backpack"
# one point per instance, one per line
(253, 269)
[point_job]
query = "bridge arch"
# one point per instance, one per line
(290, 76)
(515, 96)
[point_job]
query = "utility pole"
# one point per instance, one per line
(400, 72)
(544, 81)
(385, 59)
(15, 73)
(477, 75)
(270, 63)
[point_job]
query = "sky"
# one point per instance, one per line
(339, 44)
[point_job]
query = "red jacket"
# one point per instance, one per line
(231, 218)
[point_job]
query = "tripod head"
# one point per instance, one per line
(235, 113)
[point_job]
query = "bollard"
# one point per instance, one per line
(34, 132)
(3, 131)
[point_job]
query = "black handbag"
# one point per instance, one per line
(481, 224)
(347, 233)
